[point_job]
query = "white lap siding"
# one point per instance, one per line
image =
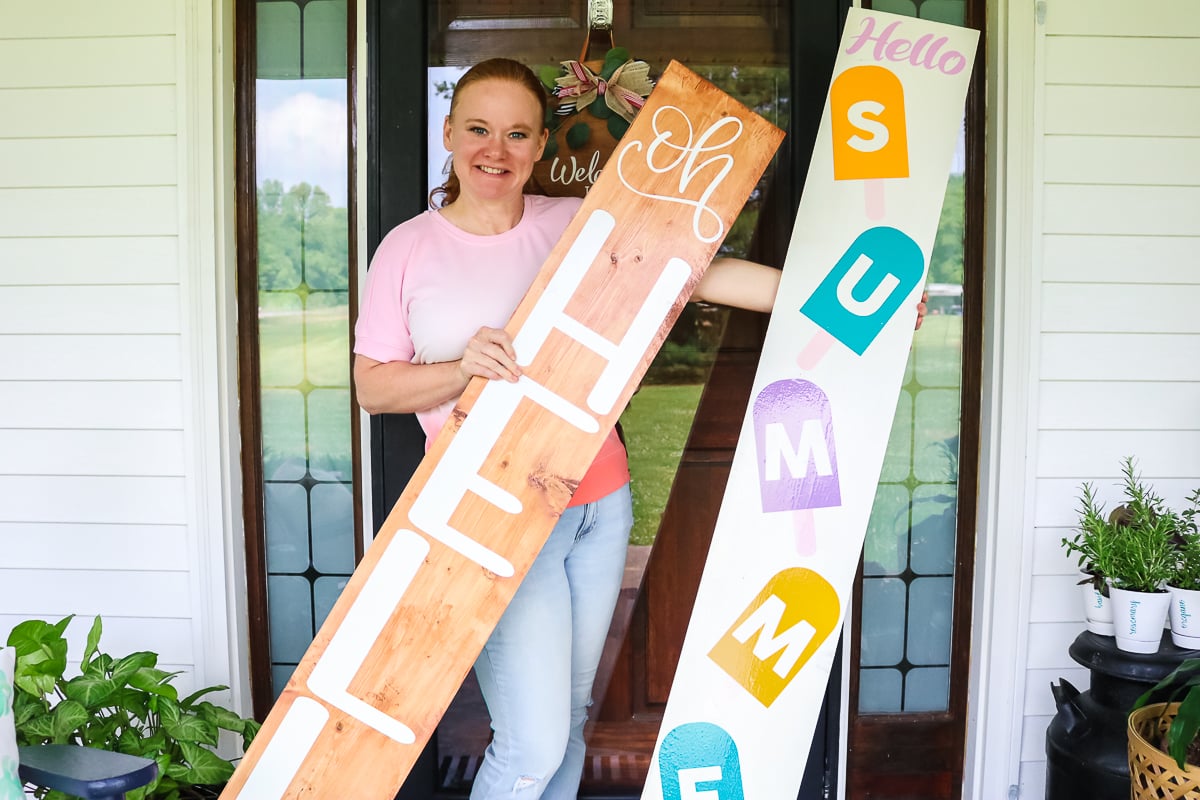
(1117, 287)
(111, 488)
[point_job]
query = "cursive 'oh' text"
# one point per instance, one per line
(667, 153)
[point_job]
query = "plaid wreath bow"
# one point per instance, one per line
(625, 92)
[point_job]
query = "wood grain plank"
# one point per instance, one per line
(637, 226)
(90, 357)
(76, 62)
(1122, 110)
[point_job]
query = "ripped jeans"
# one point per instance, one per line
(536, 670)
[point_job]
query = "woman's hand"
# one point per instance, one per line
(922, 308)
(490, 354)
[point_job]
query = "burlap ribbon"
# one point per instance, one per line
(625, 92)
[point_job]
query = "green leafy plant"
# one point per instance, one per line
(1135, 547)
(123, 704)
(1093, 539)
(1181, 686)
(1187, 542)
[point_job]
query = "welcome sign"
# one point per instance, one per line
(410, 623)
(758, 651)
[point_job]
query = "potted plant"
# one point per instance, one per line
(1164, 754)
(1185, 584)
(1139, 562)
(123, 704)
(1092, 542)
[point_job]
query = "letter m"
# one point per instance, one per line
(813, 447)
(769, 643)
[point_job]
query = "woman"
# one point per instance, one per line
(439, 292)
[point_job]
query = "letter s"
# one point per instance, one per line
(862, 116)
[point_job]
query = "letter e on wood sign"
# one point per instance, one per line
(417, 611)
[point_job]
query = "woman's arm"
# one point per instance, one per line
(745, 284)
(738, 283)
(398, 387)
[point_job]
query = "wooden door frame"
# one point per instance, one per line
(396, 144)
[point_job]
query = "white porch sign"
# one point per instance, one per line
(758, 651)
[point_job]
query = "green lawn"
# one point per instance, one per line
(919, 465)
(656, 427)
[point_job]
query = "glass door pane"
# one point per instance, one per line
(742, 48)
(301, 154)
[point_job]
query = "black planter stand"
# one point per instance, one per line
(1086, 748)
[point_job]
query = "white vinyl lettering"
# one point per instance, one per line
(812, 446)
(765, 621)
(685, 158)
(845, 288)
(688, 778)
(363, 624)
(859, 118)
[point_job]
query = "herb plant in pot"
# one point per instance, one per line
(1092, 542)
(1140, 562)
(1185, 585)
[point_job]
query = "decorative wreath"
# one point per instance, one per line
(623, 83)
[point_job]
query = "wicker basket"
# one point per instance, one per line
(1154, 775)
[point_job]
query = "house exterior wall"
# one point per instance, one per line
(1111, 335)
(114, 452)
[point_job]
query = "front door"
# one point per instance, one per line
(682, 427)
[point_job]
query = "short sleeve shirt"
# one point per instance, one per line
(432, 285)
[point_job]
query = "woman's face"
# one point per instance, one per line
(496, 134)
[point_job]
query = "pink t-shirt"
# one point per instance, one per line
(432, 285)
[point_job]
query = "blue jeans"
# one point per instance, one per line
(536, 670)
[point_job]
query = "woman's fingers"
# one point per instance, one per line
(490, 354)
(922, 308)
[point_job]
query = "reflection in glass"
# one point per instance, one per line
(909, 553)
(301, 158)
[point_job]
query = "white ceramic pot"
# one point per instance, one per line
(1185, 618)
(1138, 619)
(1098, 609)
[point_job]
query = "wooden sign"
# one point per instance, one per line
(410, 623)
(776, 585)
